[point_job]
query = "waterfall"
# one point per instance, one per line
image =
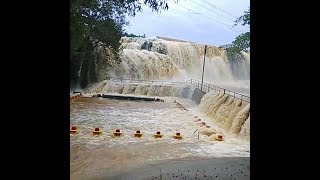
(168, 60)
(105, 87)
(227, 111)
(156, 58)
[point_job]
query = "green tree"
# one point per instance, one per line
(241, 42)
(245, 19)
(99, 24)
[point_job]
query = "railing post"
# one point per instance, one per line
(204, 62)
(224, 91)
(191, 81)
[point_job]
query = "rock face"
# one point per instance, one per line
(146, 45)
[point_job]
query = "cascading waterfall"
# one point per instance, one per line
(240, 119)
(107, 87)
(143, 64)
(227, 111)
(157, 58)
(142, 89)
(245, 129)
(241, 66)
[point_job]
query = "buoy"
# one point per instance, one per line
(117, 133)
(158, 135)
(197, 120)
(219, 137)
(96, 131)
(97, 95)
(177, 136)
(203, 124)
(138, 133)
(73, 130)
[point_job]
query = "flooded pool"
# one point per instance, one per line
(96, 156)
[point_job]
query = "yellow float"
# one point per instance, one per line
(96, 131)
(219, 137)
(197, 120)
(203, 124)
(138, 134)
(177, 136)
(117, 133)
(158, 135)
(73, 130)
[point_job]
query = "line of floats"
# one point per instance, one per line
(75, 96)
(117, 133)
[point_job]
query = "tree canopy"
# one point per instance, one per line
(241, 42)
(99, 23)
(245, 19)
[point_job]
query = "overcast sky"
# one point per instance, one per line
(180, 23)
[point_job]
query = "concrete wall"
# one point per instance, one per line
(197, 95)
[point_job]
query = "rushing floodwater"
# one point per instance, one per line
(104, 155)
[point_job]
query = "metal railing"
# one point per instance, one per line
(206, 87)
(155, 82)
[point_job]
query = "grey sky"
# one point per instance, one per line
(181, 23)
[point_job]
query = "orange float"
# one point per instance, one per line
(177, 136)
(96, 131)
(219, 137)
(138, 133)
(197, 120)
(73, 130)
(117, 133)
(158, 135)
